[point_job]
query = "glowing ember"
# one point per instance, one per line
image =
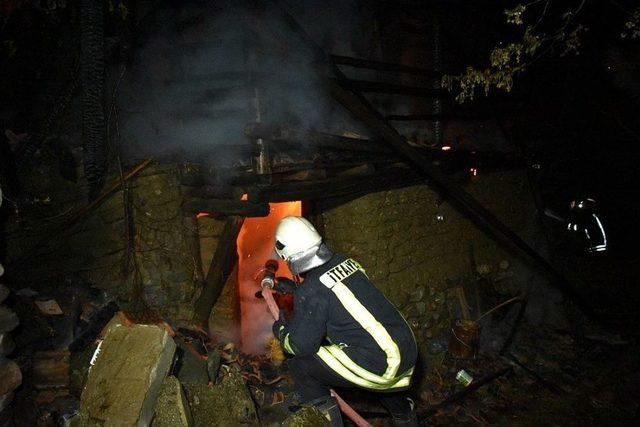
(255, 247)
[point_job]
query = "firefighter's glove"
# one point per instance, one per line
(279, 325)
(285, 285)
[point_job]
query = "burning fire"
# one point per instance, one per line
(255, 246)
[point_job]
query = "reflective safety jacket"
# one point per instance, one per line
(342, 318)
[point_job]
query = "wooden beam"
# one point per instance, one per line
(391, 88)
(381, 66)
(327, 164)
(208, 191)
(225, 207)
(314, 139)
(332, 187)
(434, 117)
(222, 264)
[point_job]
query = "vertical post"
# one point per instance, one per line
(438, 132)
(260, 160)
(94, 127)
(222, 263)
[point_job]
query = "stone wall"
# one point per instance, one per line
(412, 237)
(163, 258)
(414, 245)
(416, 248)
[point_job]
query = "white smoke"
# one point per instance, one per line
(191, 86)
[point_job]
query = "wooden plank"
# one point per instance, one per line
(434, 117)
(392, 88)
(381, 66)
(222, 263)
(314, 139)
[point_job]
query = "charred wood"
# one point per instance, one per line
(456, 397)
(506, 345)
(329, 163)
(285, 134)
(434, 117)
(92, 73)
(333, 187)
(211, 192)
(364, 169)
(391, 88)
(305, 175)
(381, 66)
(218, 207)
(548, 384)
(331, 202)
(221, 266)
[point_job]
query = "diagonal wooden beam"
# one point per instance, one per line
(362, 109)
(392, 88)
(225, 207)
(333, 187)
(381, 66)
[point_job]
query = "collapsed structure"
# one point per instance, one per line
(206, 139)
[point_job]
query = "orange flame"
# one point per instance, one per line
(255, 247)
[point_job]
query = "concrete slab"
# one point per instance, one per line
(124, 382)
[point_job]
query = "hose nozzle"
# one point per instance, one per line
(269, 274)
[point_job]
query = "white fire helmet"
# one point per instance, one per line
(300, 245)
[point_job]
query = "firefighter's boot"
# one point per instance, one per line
(328, 406)
(409, 419)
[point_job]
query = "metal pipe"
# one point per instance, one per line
(261, 162)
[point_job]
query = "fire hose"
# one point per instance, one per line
(267, 283)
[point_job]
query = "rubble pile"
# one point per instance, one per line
(59, 322)
(10, 373)
(85, 366)
(546, 374)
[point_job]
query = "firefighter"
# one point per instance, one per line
(344, 332)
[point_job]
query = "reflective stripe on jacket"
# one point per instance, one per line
(342, 318)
